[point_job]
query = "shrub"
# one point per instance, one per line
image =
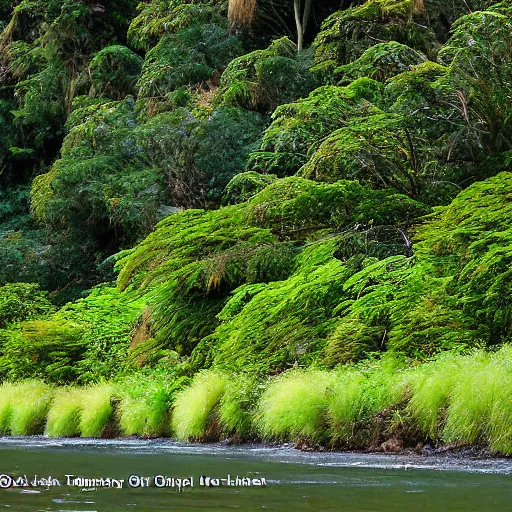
(114, 72)
(22, 301)
(431, 388)
(97, 411)
(237, 405)
(144, 405)
(194, 415)
(7, 391)
(31, 401)
(63, 417)
(294, 406)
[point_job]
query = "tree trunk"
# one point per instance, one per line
(298, 23)
(301, 20)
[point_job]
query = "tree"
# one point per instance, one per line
(242, 12)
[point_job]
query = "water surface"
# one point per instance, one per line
(295, 481)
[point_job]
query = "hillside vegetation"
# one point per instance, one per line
(191, 191)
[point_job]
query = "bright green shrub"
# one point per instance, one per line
(97, 411)
(357, 397)
(42, 349)
(245, 185)
(86, 340)
(63, 417)
(298, 127)
(145, 404)
(7, 390)
(431, 387)
(237, 405)
(22, 301)
(31, 401)
(294, 406)
(194, 415)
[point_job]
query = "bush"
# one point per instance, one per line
(22, 301)
(63, 417)
(194, 415)
(31, 401)
(145, 404)
(294, 406)
(237, 406)
(114, 72)
(97, 410)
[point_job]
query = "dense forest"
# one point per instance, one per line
(257, 220)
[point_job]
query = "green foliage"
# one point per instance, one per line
(97, 411)
(63, 417)
(31, 401)
(245, 185)
(358, 397)
(42, 349)
(283, 307)
(237, 406)
(190, 56)
(114, 72)
(22, 301)
(298, 127)
(86, 340)
(264, 79)
(381, 62)
(431, 388)
(7, 390)
(345, 35)
(145, 404)
(194, 415)
(158, 18)
(480, 79)
(294, 406)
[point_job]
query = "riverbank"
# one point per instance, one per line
(452, 402)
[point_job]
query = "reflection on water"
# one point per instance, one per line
(295, 481)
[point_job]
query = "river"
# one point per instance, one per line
(290, 480)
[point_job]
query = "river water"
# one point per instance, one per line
(295, 481)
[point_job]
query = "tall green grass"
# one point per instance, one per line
(31, 403)
(294, 406)
(430, 387)
(194, 412)
(97, 410)
(359, 395)
(237, 405)
(456, 399)
(6, 406)
(63, 418)
(144, 406)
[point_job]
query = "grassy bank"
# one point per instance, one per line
(455, 399)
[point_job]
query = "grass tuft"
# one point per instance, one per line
(238, 404)
(6, 406)
(97, 410)
(194, 410)
(359, 395)
(431, 387)
(32, 400)
(294, 406)
(144, 406)
(64, 414)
